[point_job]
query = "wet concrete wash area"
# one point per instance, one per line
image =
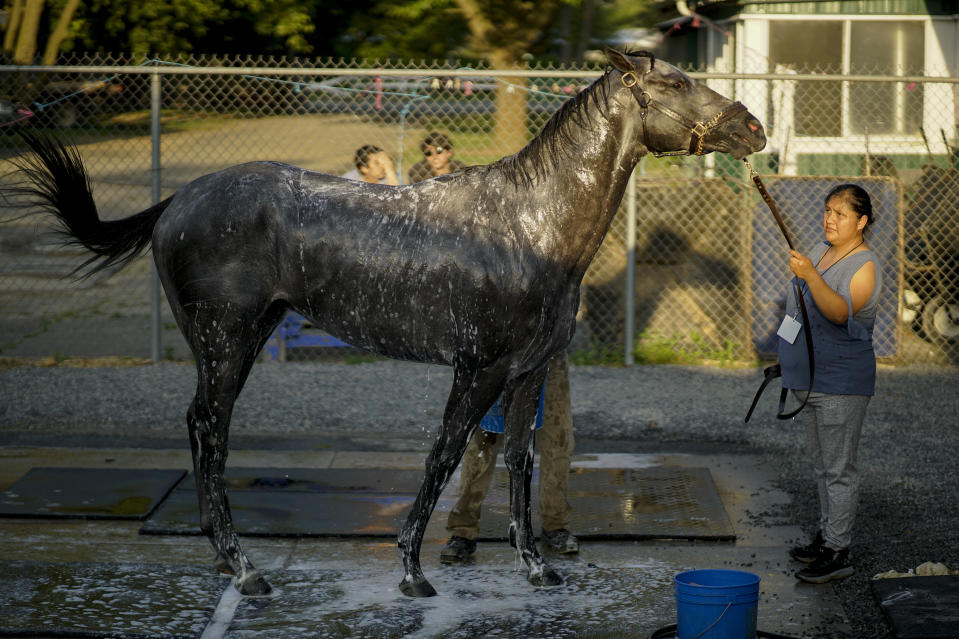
(82, 556)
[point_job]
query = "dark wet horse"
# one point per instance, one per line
(479, 270)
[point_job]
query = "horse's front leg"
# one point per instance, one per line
(471, 396)
(520, 405)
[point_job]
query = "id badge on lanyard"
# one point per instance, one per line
(790, 327)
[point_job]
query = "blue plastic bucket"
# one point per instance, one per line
(493, 421)
(716, 604)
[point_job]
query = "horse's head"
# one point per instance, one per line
(681, 116)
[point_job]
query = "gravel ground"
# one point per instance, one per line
(908, 508)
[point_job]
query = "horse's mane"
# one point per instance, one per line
(554, 143)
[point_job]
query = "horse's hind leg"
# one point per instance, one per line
(225, 352)
(472, 394)
(520, 404)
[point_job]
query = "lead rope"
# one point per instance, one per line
(772, 372)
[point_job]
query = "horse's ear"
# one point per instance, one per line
(619, 60)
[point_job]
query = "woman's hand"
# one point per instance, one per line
(801, 266)
(830, 303)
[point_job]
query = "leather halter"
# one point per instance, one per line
(697, 130)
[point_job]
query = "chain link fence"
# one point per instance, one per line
(698, 279)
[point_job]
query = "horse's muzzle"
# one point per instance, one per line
(744, 135)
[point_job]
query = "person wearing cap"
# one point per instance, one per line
(437, 158)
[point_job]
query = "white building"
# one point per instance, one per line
(810, 119)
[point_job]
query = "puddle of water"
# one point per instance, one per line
(617, 460)
(473, 601)
(77, 598)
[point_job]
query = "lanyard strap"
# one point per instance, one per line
(774, 371)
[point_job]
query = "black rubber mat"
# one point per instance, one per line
(299, 502)
(659, 502)
(920, 607)
(106, 599)
(88, 493)
(648, 503)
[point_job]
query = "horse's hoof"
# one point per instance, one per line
(223, 565)
(254, 585)
(417, 588)
(546, 578)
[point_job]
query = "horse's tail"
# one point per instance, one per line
(60, 185)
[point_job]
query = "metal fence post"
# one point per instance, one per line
(630, 298)
(155, 309)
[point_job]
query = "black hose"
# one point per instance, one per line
(669, 632)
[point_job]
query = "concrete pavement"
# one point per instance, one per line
(347, 587)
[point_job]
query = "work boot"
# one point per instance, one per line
(561, 541)
(457, 550)
(810, 552)
(832, 564)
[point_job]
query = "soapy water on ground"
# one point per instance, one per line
(126, 599)
(489, 600)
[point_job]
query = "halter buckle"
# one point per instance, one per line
(632, 79)
(699, 129)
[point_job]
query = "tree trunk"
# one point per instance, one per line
(59, 33)
(26, 47)
(566, 32)
(585, 30)
(509, 131)
(13, 27)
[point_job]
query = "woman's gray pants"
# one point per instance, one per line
(833, 425)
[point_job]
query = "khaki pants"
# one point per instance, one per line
(555, 444)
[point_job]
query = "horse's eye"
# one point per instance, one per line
(679, 85)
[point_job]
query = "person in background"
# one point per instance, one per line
(373, 165)
(437, 158)
(555, 443)
(841, 291)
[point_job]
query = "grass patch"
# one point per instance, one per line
(653, 347)
(8, 363)
(598, 355)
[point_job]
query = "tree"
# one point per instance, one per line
(504, 33)
(23, 32)
(61, 29)
(14, 16)
(171, 27)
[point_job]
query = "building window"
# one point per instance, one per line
(885, 48)
(831, 109)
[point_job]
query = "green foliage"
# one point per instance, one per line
(439, 29)
(204, 26)
(141, 28)
(379, 29)
(419, 29)
(622, 14)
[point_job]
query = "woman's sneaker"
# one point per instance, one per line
(810, 552)
(832, 564)
(457, 550)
